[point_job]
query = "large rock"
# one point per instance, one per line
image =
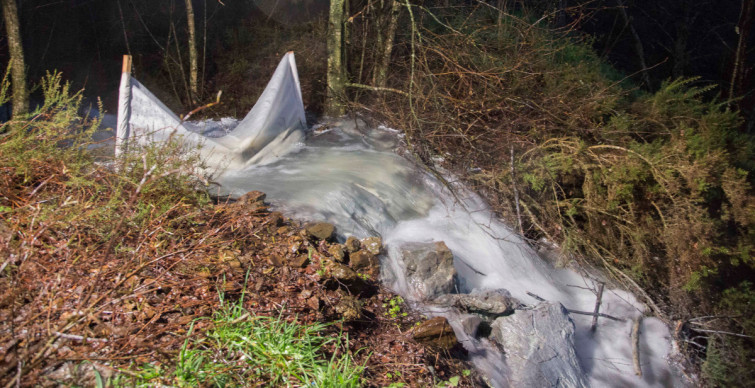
(336, 251)
(349, 308)
(320, 230)
(435, 332)
(489, 303)
(373, 245)
(352, 244)
(339, 275)
(364, 262)
(429, 269)
(539, 347)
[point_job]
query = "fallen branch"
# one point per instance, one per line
(636, 346)
(516, 193)
(377, 88)
(611, 317)
(78, 337)
(216, 102)
(570, 311)
(598, 301)
(723, 332)
(535, 296)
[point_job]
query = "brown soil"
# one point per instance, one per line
(60, 308)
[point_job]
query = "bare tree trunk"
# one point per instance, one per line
(17, 64)
(501, 5)
(638, 47)
(680, 51)
(335, 104)
(193, 62)
(744, 25)
(385, 48)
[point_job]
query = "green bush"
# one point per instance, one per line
(655, 187)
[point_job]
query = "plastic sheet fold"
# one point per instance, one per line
(274, 124)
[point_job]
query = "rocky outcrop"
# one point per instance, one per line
(429, 269)
(539, 347)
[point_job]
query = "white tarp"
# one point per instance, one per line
(275, 122)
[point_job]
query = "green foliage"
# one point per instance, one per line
(657, 186)
(243, 349)
(727, 356)
(394, 307)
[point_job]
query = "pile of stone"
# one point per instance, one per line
(537, 342)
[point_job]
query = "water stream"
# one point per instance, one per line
(350, 175)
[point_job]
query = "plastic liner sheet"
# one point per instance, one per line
(274, 124)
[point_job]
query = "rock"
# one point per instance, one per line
(436, 332)
(298, 261)
(490, 303)
(320, 230)
(340, 275)
(349, 308)
(539, 347)
(364, 262)
(373, 245)
(336, 251)
(352, 244)
(252, 197)
(429, 269)
(81, 374)
(314, 303)
(276, 219)
(253, 201)
(276, 260)
(470, 324)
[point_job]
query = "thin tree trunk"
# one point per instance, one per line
(638, 46)
(335, 104)
(17, 64)
(501, 4)
(744, 25)
(386, 49)
(193, 61)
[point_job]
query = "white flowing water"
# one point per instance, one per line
(351, 176)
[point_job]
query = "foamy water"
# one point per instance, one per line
(349, 175)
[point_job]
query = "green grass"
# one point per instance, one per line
(243, 349)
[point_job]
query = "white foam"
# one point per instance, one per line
(364, 191)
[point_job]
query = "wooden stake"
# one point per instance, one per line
(126, 64)
(597, 307)
(636, 346)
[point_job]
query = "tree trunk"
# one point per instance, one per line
(638, 46)
(336, 98)
(17, 64)
(193, 62)
(385, 48)
(743, 29)
(501, 5)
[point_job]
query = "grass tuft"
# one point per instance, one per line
(243, 349)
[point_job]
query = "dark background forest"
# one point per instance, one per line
(84, 39)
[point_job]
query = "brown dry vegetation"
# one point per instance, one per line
(655, 188)
(121, 269)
